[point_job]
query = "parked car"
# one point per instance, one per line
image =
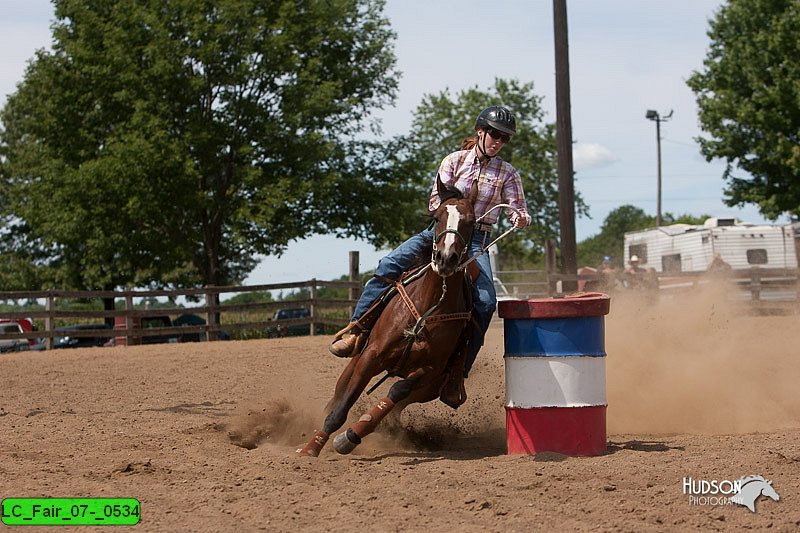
(284, 330)
(158, 322)
(13, 345)
(20, 325)
(189, 319)
(65, 339)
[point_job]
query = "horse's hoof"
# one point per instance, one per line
(346, 442)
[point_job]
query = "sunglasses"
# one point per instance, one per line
(499, 135)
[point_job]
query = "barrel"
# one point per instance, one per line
(555, 374)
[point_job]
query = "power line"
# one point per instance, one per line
(695, 145)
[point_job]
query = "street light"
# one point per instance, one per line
(658, 119)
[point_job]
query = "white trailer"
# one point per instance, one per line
(687, 248)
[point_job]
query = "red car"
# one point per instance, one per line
(19, 325)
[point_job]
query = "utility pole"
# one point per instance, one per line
(566, 186)
(653, 115)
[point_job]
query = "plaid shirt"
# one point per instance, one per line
(498, 183)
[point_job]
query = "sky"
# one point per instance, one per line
(626, 56)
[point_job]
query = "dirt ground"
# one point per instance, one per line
(204, 434)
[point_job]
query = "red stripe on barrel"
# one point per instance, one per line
(567, 430)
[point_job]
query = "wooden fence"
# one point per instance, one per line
(216, 313)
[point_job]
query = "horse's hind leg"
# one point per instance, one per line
(349, 387)
(346, 442)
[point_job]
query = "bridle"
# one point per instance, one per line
(438, 237)
(455, 232)
(413, 333)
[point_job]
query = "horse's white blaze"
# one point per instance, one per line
(453, 218)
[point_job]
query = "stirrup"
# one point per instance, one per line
(352, 328)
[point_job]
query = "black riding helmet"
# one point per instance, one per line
(497, 117)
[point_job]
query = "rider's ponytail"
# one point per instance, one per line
(469, 143)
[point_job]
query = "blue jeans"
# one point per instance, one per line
(416, 251)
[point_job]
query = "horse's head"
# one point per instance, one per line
(455, 219)
(751, 487)
(769, 491)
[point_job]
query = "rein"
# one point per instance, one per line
(503, 236)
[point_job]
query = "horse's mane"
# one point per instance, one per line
(745, 480)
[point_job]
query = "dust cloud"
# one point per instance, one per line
(700, 364)
(278, 422)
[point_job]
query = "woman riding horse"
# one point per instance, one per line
(497, 182)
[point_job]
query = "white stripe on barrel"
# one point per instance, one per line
(555, 382)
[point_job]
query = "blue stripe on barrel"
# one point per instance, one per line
(554, 337)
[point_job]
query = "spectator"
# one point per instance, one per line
(608, 275)
(634, 274)
(633, 266)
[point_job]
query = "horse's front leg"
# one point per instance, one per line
(346, 442)
(349, 387)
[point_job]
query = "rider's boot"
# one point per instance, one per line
(345, 346)
(351, 340)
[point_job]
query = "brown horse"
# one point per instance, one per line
(416, 334)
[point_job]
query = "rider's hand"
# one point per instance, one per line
(520, 221)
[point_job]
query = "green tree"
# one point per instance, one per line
(250, 297)
(171, 142)
(749, 101)
(442, 121)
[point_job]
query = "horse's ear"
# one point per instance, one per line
(473, 192)
(440, 188)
